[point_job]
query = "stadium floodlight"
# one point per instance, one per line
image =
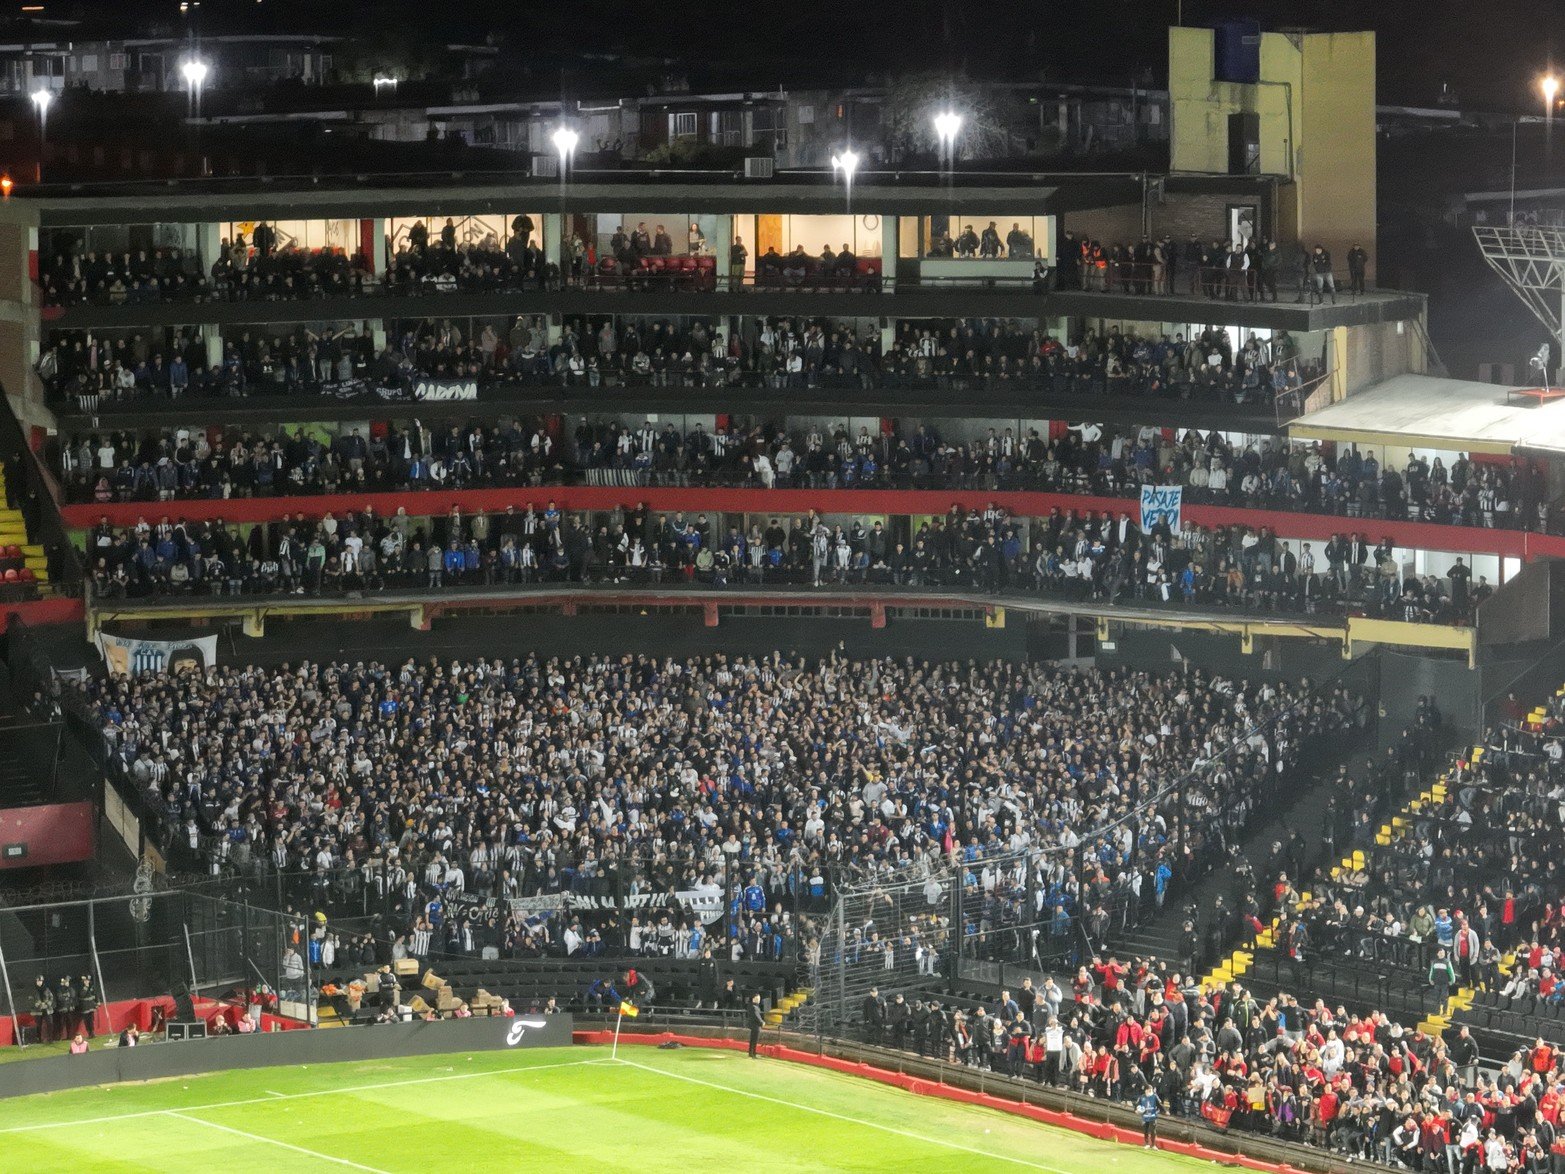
(384, 81)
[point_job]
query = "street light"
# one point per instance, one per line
(948, 124)
(195, 72)
(42, 100)
(847, 163)
(565, 140)
(1550, 85)
(383, 81)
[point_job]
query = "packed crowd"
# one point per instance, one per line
(1358, 1084)
(533, 778)
(1074, 556)
(1471, 877)
(1091, 459)
(267, 266)
(779, 354)
(1244, 268)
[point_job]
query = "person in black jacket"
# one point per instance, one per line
(757, 1021)
(874, 1016)
(87, 1006)
(43, 1009)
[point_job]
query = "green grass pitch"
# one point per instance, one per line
(568, 1109)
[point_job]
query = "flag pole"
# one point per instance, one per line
(618, 1019)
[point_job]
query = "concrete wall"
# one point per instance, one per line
(1316, 109)
(1200, 105)
(1378, 351)
(163, 1061)
(1337, 144)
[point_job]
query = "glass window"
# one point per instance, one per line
(964, 234)
(334, 233)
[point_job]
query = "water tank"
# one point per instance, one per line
(1236, 51)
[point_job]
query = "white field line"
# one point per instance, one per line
(293, 1096)
(287, 1145)
(741, 1092)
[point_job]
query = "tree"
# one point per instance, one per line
(907, 117)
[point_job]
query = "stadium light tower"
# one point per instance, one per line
(1530, 259)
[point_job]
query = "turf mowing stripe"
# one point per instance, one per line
(292, 1096)
(740, 1092)
(287, 1145)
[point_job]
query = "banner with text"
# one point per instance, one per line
(131, 657)
(445, 389)
(1161, 505)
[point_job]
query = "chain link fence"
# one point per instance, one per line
(147, 945)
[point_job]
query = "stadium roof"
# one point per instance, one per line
(1421, 411)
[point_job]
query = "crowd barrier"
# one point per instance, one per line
(269, 1049)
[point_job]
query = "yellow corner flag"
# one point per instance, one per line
(628, 1009)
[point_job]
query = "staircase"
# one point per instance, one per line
(1240, 961)
(786, 1006)
(13, 532)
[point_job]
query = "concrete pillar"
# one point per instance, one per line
(722, 240)
(888, 252)
(888, 335)
(378, 258)
(377, 333)
(209, 239)
(553, 234)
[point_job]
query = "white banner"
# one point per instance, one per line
(444, 389)
(1161, 504)
(131, 657)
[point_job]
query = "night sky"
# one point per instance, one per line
(1490, 53)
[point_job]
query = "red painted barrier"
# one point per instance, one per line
(57, 610)
(1308, 527)
(113, 1018)
(55, 833)
(1102, 1130)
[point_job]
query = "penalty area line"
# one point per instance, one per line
(263, 1139)
(758, 1096)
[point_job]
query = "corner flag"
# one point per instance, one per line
(628, 1009)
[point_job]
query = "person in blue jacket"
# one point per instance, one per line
(1149, 1107)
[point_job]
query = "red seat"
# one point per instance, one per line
(26, 575)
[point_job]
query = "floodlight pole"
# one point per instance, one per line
(97, 964)
(190, 956)
(5, 977)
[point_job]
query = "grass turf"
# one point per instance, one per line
(572, 1108)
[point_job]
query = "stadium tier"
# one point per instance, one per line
(983, 655)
